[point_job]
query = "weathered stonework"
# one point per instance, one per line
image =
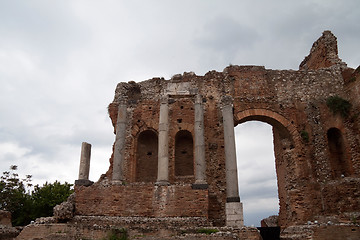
(163, 126)
(5, 218)
(293, 102)
(143, 200)
(100, 227)
(65, 210)
(7, 232)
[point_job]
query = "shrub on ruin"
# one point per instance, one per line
(305, 136)
(338, 105)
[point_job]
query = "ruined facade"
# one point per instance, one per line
(174, 152)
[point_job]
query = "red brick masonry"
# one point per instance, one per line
(141, 200)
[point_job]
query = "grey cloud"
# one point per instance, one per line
(225, 37)
(259, 190)
(46, 30)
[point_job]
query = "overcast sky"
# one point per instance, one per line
(60, 62)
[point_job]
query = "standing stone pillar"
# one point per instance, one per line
(84, 168)
(117, 175)
(200, 163)
(163, 152)
(234, 210)
(85, 161)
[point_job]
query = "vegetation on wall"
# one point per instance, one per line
(305, 136)
(117, 234)
(25, 205)
(338, 105)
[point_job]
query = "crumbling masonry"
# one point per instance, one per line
(174, 153)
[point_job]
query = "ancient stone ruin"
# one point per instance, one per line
(174, 160)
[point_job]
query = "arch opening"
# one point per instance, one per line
(184, 154)
(339, 165)
(258, 187)
(147, 156)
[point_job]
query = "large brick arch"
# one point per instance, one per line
(285, 130)
(274, 119)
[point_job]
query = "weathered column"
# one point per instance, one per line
(163, 152)
(200, 164)
(234, 211)
(84, 165)
(85, 161)
(117, 175)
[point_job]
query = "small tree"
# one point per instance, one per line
(46, 197)
(13, 196)
(26, 206)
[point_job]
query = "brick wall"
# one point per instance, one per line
(141, 200)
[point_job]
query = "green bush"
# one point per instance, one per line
(46, 197)
(25, 205)
(338, 105)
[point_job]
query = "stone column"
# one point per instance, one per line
(234, 211)
(84, 165)
(200, 163)
(85, 161)
(117, 175)
(163, 152)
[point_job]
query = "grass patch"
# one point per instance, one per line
(338, 105)
(117, 234)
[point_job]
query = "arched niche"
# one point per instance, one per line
(147, 156)
(184, 154)
(338, 162)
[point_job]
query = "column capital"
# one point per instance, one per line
(226, 101)
(198, 99)
(122, 100)
(121, 115)
(164, 99)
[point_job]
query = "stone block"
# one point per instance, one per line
(5, 218)
(234, 208)
(234, 214)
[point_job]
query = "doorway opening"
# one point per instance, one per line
(258, 187)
